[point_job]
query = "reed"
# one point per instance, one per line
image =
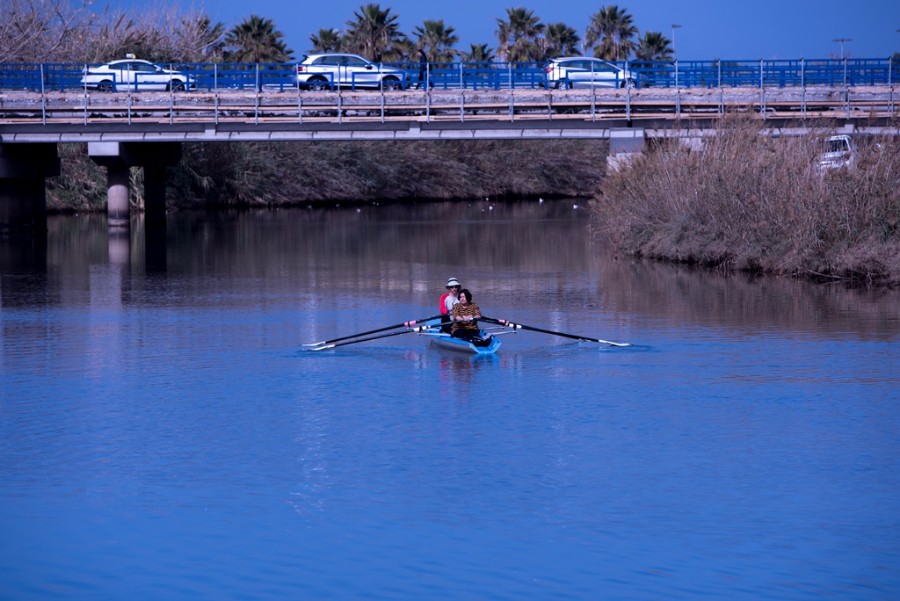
(756, 203)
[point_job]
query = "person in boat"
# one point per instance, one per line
(448, 299)
(464, 316)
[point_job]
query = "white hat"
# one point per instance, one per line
(453, 282)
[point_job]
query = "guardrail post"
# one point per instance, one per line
(43, 99)
(257, 93)
(803, 88)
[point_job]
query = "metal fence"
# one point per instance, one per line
(847, 72)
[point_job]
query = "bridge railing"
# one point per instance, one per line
(498, 75)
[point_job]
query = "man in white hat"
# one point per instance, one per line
(448, 299)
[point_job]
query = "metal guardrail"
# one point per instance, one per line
(212, 77)
(283, 112)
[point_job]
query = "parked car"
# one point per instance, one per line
(840, 151)
(583, 71)
(135, 74)
(327, 71)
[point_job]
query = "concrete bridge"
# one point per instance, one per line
(125, 130)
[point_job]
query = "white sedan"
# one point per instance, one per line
(584, 71)
(136, 75)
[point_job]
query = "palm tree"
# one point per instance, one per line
(326, 40)
(518, 35)
(480, 54)
(560, 40)
(654, 46)
(256, 41)
(613, 28)
(374, 34)
(437, 40)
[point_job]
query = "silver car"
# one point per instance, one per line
(584, 71)
(136, 75)
(327, 71)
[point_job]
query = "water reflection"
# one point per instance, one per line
(513, 256)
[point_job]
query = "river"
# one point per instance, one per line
(163, 433)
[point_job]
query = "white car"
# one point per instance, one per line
(329, 71)
(840, 151)
(584, 71)
(136, 75)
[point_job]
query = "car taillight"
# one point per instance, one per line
(299, 68)
(548, 69)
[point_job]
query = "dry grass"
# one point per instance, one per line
(754, 203)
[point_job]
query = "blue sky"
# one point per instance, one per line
(710, 29)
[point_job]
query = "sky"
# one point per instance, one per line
(710, 29)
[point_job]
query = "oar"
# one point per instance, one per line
(405, 324)
(332, 345)
(519, 326)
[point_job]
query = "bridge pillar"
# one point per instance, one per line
(23, 197)
(624, 144)
(118, 158)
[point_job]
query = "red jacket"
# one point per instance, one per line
(443, 306)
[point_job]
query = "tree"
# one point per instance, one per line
(327, 40)
(256, 40)
(201, 39)
(480, 54)
(611, 33)
(42, 30)
(374, 33)
(437, 40)
(560, 40)
(654, 46)
(519, 35)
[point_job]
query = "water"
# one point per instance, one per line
(164, 435)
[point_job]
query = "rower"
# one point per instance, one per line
(448, 299)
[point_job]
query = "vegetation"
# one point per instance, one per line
(611, 33)
(304, 173)
(755, 203)
(256, 40)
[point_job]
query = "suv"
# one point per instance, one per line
(584, 71)
(135, 74)
(328, 71)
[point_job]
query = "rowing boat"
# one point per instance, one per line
(431, 327)
(446, 341)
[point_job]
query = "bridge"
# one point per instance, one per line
(147, 129)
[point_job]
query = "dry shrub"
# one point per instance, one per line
(753, 202)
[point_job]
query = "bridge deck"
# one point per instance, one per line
(417, 114)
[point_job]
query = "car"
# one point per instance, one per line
(137, 75)
(584, 71)
(328, 71)
(840, 151)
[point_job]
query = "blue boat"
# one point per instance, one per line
(446, 341)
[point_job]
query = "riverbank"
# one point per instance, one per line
(284, 174)
(753, 203)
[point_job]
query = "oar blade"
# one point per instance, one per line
(405, 324)
(521, 326)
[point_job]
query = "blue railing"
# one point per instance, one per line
(50, 77)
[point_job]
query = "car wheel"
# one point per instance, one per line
(176, 86)
(390, 84)
(318, 84)
(105, 86)
(629, 83)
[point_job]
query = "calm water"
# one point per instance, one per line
(163, 435)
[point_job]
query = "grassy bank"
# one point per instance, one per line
(302, 173)
(755, 203)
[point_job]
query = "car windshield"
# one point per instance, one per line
(836, 146)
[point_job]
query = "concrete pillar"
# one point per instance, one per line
(624, 145)
(117, 157)
(117, 196)
(23, 197)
